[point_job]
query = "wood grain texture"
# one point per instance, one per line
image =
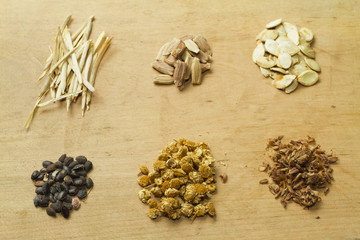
(235, 111)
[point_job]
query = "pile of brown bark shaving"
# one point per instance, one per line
(299, 170)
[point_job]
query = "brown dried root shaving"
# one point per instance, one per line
(299, 170)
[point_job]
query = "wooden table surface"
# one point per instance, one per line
(235, 111)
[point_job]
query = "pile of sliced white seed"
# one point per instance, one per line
(284, 54)
(71, 68)
(182, 59)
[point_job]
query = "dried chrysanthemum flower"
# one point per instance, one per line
(183, 178)
(187, 209)
(154, 213)
(210, 209)
(152, 203)
(144, 170)
(144, 180)
(144, 195)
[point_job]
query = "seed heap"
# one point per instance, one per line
(298, 171)
(183, 179)
(57, 183)
(284, 54)
(182, 59)
(71, 68)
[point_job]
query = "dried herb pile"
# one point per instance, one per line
(182, 179)
(299, 170)
(71, 68)
(182, 59)
(60, 185)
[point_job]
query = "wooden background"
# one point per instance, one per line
(235, 111)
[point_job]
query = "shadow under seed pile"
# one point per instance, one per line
(57, 183)
(183, 179)
(298, 170)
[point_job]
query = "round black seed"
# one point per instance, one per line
(56, 196)
(79, 181)
(51, 167)
(68, 180)
(44, 201)
(40, 177)
(61, 195)
(65, 212)
(57, 206)
(58, 186)
(35, 174)
(62, 158)
(47, 198)
(73, 191)
(60, 176)
(37, 200)
(64, 187)
(51, 182)
(78, 167)
(68, 199)
(45, 164)
(53, 190)
(81, 159)
(89, 183)
(82, 193)
(66, 169)
(88, 166)
(73, 174)
(59, 164)
(73, 164)
(68, 160)
(38, 190)
(68, 205)
(52, 198)
(81, 173)
(45, 188)
(51, 212)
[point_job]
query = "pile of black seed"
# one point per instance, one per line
(60, 185)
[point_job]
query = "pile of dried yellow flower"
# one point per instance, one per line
(183, 179)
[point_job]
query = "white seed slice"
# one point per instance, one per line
(272, 47)
(284, 82)
(161, 56)
(191, 46)
(294, 59)
(285, 60)
(289, 27)
(258, 52)
(298, 69)
(308, 78)
(292, 87)
(279, 70)
(293, 35)
(281, 30)
(265, 72)
(307, 34)
(274, 23)
(269, 34)
(276, 76)
(170, 46)
(312, 64)
(307, 50)
(288, 47)
(260, 35)
(265, 62)
(282, 38)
